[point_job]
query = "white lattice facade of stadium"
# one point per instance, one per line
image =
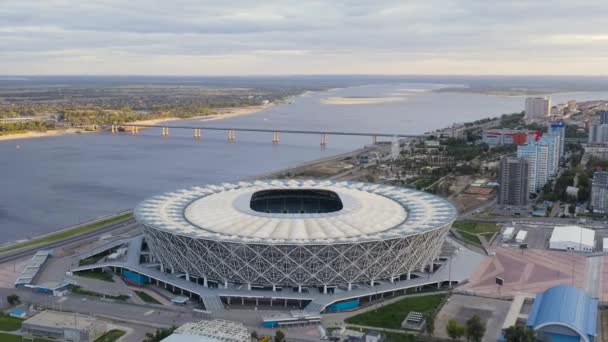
(378, 233)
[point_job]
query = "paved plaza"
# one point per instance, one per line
(532, 271)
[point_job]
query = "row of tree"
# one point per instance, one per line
(18, 126)
(473, 329)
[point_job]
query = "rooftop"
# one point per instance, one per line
(565, 305)
(573, 233)
(62, 320)
(214, 331)
(367, 212)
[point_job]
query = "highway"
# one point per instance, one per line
(21, 253)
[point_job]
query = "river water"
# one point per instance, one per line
(54, 182)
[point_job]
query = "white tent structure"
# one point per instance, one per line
(572, 238)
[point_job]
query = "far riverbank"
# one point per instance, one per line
(220, 114)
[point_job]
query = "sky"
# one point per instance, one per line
(286, 37)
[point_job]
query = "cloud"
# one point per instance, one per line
(313, 36)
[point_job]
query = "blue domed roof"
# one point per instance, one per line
(567, 306)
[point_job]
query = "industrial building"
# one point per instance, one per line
(298, 234)
(537, 107)
(64, 326)
(564, 314)
(572, 238)
(495, 137)
(513, 181)
(599, 192)
(210, 331)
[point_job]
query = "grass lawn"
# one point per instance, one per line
(79, 290)
(16, 338)
(96, 274)
(111, 336)
(469, 229)
(146, 297)
(391, 315)
(68, 233)
(8, 323)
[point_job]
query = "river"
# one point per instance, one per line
(50, 183)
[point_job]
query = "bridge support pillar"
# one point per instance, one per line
(324, 289)
(231, 135)
(187, 276)
(205, 284)
(374, 139)
(350, 286)
(275, 137)
(165, 131)
(197, 133)
(114, 129)
(225, 284)
(299, 288)
(323, 139)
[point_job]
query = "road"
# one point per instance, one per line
(91, 235)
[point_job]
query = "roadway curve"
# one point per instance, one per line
(20, 253)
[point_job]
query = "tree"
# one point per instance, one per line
(454, 330)
(520, 334)
(279, 336)
(254, 335)
(475, 329)
(429, 323)
(13, 299)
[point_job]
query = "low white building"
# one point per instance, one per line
(572, 238)
(508, 233)
(521, 236)
(216, 330)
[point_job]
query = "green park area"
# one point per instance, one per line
(82, 291)
(67, 233)
(469, 230)
(4, 337)
(8, 323)
(390, 316)
(96, 274)
(146, 297)
(111, 336)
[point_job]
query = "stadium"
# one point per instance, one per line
(295, 234)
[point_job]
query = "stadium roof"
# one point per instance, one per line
(566, 306)
(576, 234)
(222, 212)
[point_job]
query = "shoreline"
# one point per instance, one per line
(220, 114)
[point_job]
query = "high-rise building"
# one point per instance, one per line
(537, 107)
(558, 129)
(513, 182)
(599, 192)
(598, 133)
(603, 117)
(543, 160)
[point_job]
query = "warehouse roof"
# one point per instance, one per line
(368, 212)
(573, 234)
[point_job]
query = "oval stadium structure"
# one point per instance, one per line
(292, 233)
